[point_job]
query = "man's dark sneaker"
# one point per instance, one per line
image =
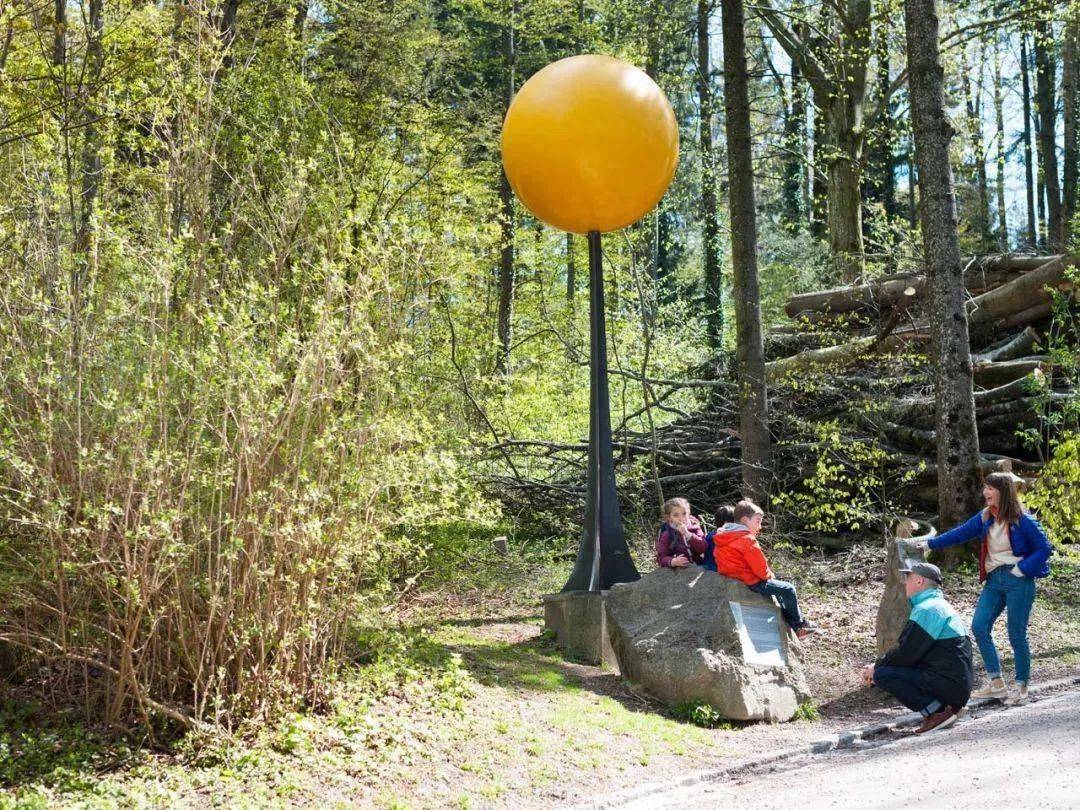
(807, 629)
(943, 718)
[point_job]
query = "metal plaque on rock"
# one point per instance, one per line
(760, 630)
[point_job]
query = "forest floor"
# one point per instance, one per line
(478, 708)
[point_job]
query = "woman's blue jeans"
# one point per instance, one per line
(1015, 595)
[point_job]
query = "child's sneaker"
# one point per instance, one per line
(807, 629)
(995, 689)
(1019, 696)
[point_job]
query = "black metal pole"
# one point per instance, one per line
(603, 557)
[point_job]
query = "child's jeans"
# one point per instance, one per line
(786, 596)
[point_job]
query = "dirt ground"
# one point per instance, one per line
(494, 716)
(840, 593)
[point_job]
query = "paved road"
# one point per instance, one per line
(1022, 757)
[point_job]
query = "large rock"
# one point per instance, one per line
(678, 636)
(894, 607)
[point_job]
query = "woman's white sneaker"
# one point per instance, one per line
(1019, 696)
(996, 689)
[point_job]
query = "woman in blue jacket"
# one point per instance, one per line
(1013, 554)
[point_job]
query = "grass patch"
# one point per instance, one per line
(701, 714)
(533, 665)
(500, 559)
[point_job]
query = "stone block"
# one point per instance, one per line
(580, 626)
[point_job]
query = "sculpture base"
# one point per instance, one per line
(580, 626)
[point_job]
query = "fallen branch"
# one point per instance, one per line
(832, 355)
(1026, 294)
(996, 374)
(1024, 317)
(708, 475)
(1007, 423)
(1011, 348)
(1011, 390)
(885, 293)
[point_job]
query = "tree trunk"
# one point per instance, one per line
(663, 250)
(806, 146)
(845, 191)
(1044, 99)
(52, 217)
(91, 156)
(819, 185)
(714, 304)
(300, 14)
(647, 229)
(957, 435)
(1029, 165)
(750, 351)
(973, 103)
(571, 258)
(878, 144)
(5, 48)
(846, 119)
(571, 272)
(1069, 67)
(913, 210)
(226, 25)
(885, 125)
(986, 237)
(1040, 181)
(999, 177)
(59, 52)
(837, 69)
(794, 148)
(506, 217)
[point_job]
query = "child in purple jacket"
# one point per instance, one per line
(681, 540)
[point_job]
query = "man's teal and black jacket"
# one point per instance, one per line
(934, 639)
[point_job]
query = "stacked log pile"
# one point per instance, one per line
(856, 356)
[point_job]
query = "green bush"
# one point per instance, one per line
(198, 509)
(845, 490)
(1054, 494)
(214, 446)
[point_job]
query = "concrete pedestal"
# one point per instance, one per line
(580, 626)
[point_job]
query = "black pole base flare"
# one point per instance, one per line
(603, 558)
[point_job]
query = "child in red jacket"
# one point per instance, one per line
(739, 556)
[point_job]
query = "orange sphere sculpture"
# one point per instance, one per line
(590, 143)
